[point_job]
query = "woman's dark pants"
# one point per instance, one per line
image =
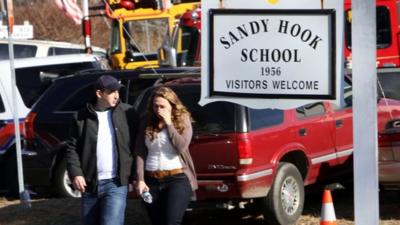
(171, 197)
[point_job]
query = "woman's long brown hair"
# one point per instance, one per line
(178, 112)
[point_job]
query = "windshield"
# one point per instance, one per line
(145, 36)
(388, 85)
(383, 30)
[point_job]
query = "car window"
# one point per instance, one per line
(262, 118)
(347, 96)
(2, 108)
(33, 81)
(78, 99)
(20, 51)
(133, 88)
(383, 30)
(190, 36)
(212, 118)
(309, 110)
(64, 51)
(128, 94)
(389, 85)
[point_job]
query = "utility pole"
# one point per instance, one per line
(87, 26)
(24, 194)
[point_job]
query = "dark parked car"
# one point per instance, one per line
(46, 126)
(33, 77)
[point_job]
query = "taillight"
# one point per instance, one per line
(244, 150)
(384, 140)
(29, 120)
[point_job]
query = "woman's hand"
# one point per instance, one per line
(165, 114)
(141, 187)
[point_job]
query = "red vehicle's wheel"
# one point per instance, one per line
(285, 200)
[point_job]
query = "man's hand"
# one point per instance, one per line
(79, 183)
(141, 187)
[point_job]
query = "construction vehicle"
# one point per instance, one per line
(140, 27)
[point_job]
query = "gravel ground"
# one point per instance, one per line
(66, 212)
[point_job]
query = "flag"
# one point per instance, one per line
(71, 9)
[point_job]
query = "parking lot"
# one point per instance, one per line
(46, 211)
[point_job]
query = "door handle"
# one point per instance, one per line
(339, 123)
(302, 132)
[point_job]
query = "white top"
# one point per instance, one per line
(161, 154)
(106, 157)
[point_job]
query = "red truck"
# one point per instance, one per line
(267, 156)
(387, 31)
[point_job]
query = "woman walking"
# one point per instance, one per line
(163, 163)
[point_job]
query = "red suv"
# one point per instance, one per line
(268, 155)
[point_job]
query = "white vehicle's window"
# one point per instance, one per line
(64, 51)
(20, 51)
(33, 81)
(2, 108)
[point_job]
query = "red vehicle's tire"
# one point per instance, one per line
(285, 200)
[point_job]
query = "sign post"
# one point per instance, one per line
(366, 197)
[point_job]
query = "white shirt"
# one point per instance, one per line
(106, 152)
(161, 154)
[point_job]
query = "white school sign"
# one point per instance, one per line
(271, 55)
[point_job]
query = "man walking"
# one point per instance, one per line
(99, 154)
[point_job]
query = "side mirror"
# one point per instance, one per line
(129, 56)
(167, 56)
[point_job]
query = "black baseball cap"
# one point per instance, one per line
(107, 82)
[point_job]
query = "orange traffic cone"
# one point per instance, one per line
(327, 212)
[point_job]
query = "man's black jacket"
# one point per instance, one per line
(81, 145)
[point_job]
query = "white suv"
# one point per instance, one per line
(39, 48)
(33, 77)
